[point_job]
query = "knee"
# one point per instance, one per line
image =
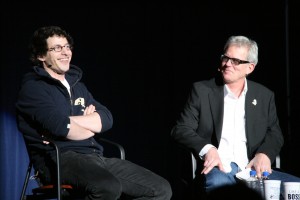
(109, 189)
(215, 180)
(163, 190)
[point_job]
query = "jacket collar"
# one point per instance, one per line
(216, 97)
(73, 75)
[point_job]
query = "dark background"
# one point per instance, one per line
(140, 59)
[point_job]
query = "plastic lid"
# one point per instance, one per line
(252, 173)
(265, 174)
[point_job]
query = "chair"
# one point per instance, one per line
(58, 190)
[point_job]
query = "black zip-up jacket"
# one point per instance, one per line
(43, 109)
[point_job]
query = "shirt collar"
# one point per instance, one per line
(228, 92)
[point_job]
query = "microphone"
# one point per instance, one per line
(47, 64)
(50, 67)
(221, 68)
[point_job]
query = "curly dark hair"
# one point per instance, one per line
(38, 46)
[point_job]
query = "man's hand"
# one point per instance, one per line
(45, 142)
(260, 163)
(89, 120)
(89, 110)
(211, 160)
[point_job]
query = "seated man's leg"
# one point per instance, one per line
(139, 182)
(216, 178)
(88, 173)
(284, 177)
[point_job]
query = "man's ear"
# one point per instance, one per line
(41, 58)
(250, 68)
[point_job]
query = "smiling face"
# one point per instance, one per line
(236, 73)
(57, 62)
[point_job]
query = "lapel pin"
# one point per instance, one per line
(254, 102)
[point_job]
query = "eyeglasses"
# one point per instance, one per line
(234, 61)
(59, 48)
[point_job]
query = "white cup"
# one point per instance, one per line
(272, 189)
(291, 190)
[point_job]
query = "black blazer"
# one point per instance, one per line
(200, 123)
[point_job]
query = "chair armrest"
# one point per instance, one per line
(111, 143)
(277, 162)
(194, 165)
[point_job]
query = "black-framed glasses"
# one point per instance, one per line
(59, 48)
(234, 61)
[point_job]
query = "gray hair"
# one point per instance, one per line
(242, 41)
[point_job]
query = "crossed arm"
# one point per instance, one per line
(86, 125)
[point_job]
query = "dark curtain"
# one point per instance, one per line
(14, 158)
(140, 59)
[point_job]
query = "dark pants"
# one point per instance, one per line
(99, 177)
